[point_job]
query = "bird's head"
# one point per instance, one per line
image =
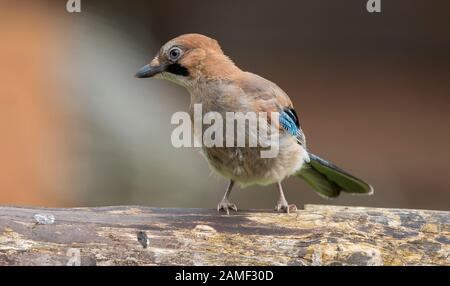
(188, 59)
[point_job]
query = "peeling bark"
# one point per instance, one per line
(317, 235)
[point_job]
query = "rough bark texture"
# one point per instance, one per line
(317, 235)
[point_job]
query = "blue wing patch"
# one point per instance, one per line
(289, 122)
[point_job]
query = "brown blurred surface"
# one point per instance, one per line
(31, 149)
(372, 91)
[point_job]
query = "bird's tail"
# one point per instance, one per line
(329, 180)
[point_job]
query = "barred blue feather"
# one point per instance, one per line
(289, 122)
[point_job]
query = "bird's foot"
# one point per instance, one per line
(226, 206)
(284, 207)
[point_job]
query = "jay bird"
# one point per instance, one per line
(197, 63)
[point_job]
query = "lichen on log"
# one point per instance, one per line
(132, 235)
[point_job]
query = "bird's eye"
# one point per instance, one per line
(175, 53)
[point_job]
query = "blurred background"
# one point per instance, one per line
(372, 92)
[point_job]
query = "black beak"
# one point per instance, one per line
(149, 71)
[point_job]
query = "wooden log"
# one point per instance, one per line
(132, 235)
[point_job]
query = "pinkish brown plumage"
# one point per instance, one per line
(198, 63)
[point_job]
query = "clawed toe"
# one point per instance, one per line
(285, 208)
(226, 206)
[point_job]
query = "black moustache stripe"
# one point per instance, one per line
(177, 69)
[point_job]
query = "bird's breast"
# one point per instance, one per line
(245, 165)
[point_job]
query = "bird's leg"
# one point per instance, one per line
(225, 204)
(282, 205)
